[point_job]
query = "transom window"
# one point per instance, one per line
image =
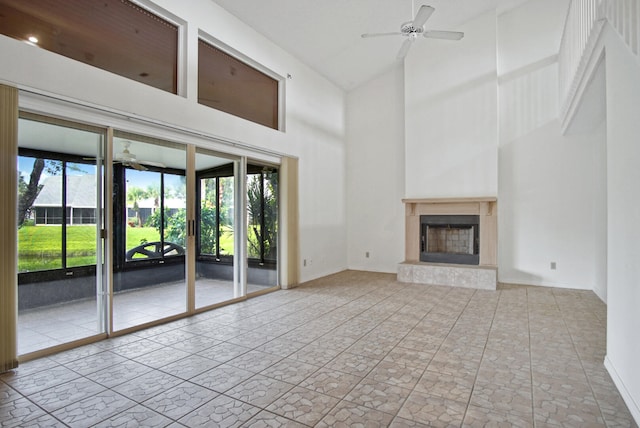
(225, 83)
(114, 35)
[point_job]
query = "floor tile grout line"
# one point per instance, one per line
(535, 307)
(475, 380)
(575, 348)
(533, 409)
(346, 351)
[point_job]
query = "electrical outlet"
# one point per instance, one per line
(367, 254)
(553, 265)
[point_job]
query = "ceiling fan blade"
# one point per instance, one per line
(446, 35)
(136, 165)
(152, 163)
(423, 14)
(404, 49)
(395, 33)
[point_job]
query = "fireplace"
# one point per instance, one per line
(450, 239)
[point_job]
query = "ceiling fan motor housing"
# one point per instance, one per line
(407, 29)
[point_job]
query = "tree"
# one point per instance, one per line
(28, 192)
(177, 190)
(31, 191)
(135, 194)
(153, 191)
(208, 230)
(262, 187)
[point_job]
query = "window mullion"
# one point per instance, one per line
(217, 218)
(262, 219)
(63, 229)
(162, 219)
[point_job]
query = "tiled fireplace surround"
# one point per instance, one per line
(483, 276)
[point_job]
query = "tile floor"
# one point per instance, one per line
(352, 349)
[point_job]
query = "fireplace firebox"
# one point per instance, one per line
(450, 239)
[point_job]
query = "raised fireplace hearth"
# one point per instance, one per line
(451, 241)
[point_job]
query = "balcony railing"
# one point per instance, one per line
(624, 16)
(583, 25)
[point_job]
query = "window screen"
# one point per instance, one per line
(228, 84)
(114, 35)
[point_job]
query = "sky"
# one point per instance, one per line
(25, 166)
(142, 179)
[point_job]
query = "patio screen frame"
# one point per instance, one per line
(44, 275)
(218, 257)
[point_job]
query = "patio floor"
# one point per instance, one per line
(48, 326)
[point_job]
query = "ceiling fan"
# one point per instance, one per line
(129, 159)
(414, 29)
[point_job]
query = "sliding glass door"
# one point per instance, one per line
(60, 286)
(166, 249)
(215, 232)
(262, 227)
(149, 230)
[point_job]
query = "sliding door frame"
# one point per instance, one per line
(109, 120)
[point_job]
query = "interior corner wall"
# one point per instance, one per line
(375, 173)
(590, 121)
(546, 179)
(547, 184)
(548, 189)
(451, 144)
(314, 115)
(623, 216)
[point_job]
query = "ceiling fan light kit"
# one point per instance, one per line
(414, 29)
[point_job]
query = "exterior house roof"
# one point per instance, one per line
(81, 191)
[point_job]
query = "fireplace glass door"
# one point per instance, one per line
(450, 239)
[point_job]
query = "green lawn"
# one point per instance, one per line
(139, 235)
(39, 246)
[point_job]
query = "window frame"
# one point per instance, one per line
(221, 172)
(253, 169)
(64, 271)
(121, 263)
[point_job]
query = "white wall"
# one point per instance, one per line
(375, 173)
(623, 188)
(590, 122)
(529, 32)
(451, 114)
(546, 209)
(482, 120)
(549, 184)
(315, 115)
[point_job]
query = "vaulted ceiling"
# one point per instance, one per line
(326, 35)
